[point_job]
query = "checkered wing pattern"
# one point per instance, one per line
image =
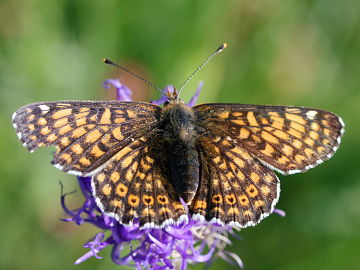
(109, 141)
(131, 186)
(86, 134)
(235, 189)
(287, 139)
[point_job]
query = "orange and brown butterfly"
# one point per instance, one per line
(143, 158)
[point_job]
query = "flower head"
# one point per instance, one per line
(167, 248)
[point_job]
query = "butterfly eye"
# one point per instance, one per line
(166, 103)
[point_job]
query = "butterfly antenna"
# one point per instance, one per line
(218, 50)
(109, 62)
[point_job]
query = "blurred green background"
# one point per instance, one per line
(304, 53)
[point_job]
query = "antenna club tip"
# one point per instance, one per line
(222, 47)
(106, 61)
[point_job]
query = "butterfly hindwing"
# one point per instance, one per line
(85, 133)
(131, 186)
(288, 139)
(234, 189)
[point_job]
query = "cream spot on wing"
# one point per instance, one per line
(44, 108)
(311, 114)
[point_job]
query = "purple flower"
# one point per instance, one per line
(172, 247)
(168, 248)
(122, 92)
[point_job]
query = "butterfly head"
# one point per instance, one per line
(171, 93)
(172, 96)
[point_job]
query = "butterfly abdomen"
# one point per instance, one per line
(179, 144)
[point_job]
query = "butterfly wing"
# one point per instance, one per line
(132, 187)
(287, 139)
(86, 134)
(235, 189)
(110, 142)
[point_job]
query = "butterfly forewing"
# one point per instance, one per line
(288, 139)
(86, 134)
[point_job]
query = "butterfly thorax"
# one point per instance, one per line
(178, 144)
(178, 119)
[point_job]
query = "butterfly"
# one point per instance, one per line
(147, 161)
